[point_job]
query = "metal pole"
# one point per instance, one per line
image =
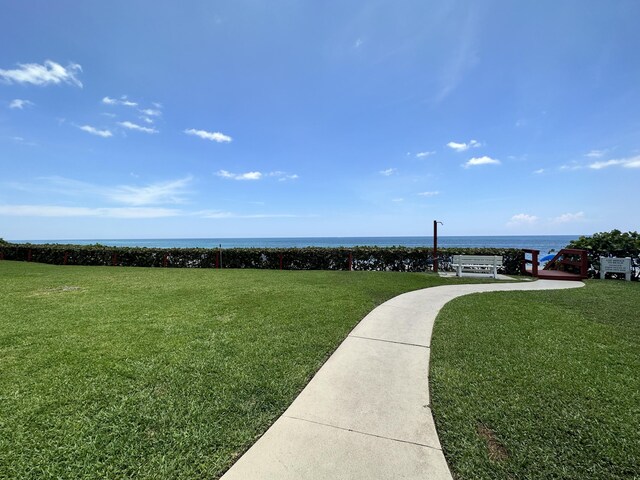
(435, 246)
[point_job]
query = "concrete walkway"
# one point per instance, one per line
(366, 414)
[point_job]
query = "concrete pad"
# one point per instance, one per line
(375, 387)
(299, 450)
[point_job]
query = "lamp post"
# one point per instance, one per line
(435, 245)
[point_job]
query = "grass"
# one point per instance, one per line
(540, 385)
(162, 373)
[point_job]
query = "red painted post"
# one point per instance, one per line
(350, 261)
(114, 259)
(164, 261)
(66, 255)
(280, 261)
(29, 256)
(534, 263)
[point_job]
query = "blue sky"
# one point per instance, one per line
(158, 119)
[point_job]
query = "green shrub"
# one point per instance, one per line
(610, 244)
(397, 259)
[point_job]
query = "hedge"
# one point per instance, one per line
(397, 259)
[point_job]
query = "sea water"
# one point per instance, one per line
(544, 243)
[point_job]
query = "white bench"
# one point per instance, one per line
(477, 264)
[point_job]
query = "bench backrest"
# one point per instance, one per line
(477, 259)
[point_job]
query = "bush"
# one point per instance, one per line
(610, 244)
(397, 259)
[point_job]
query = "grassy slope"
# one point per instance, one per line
(547, 384)
(162, 373)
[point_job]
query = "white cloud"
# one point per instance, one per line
(146, 119)
(424, 154)
(429, 194)
(595, 154)
(63, 211)
(358, 43)
(283, 176)
(569, 217)
(213, 136)
(95, 131)
(523, 219)
(20, 104)
(123, 101)
(171, 192)
(140, 128)
(631, 162)
(239, 176)
(48, 73)
(397, 200)
(539, 171)
(150, 112)
(475, 161)
(573, 165)
(388, 171)
(461, 147)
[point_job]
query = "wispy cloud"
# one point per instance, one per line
(95, 131)
(45, 74)
(139, 128)
(461, 147)
(595, 154)
(123, 101)
(388, 171)
(424, 154)
(475, 161)
(239, 176)
(569, 217)
(20, 104)
(429, 194)
(631, 162)
(522, 219)
(397, 200)
(150, 112)
(539, 171)
(213, 136)
(171, 192)
(283, 176)
(64, 211)
(157, 193)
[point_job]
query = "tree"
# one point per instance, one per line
(610, 244)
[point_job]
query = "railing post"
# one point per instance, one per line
(114, 259)
(281, 261)
(584, 264)
(66, 255)
(29, 256)
(165, 259)
(350, 261)
(534, 262)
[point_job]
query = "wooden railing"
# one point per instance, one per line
(570, 260)
(534, 262)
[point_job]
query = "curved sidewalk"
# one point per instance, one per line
(366, 414)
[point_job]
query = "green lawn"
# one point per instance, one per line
(162, 373)
(540, 385)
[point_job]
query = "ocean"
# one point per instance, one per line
(544, 243)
